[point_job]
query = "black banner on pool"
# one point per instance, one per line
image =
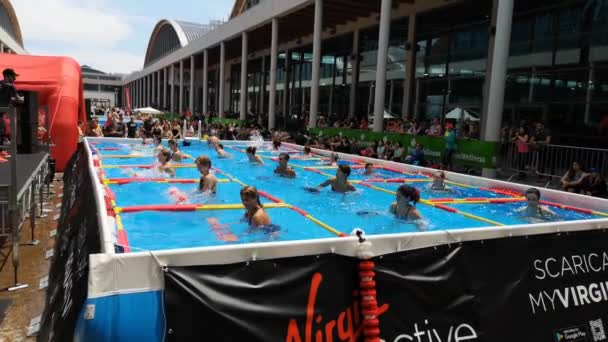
(77, 238)
(293, 299)
(543, 288)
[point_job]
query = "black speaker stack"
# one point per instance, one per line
(27, 124)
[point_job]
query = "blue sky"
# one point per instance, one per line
(110, 35)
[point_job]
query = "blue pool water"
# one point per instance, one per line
(366, 208)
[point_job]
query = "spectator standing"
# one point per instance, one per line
(131, 128)
(450, 147)
(521, 142)
(540, 139)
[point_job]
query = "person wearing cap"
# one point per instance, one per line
(8, 92)
(8, 96)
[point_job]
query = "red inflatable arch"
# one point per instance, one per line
(59, 84)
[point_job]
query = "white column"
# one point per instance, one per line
(151, 86)
(391, 95)
(316, 64)
(274, 51)
(244, 88)
(385, 25)
(172, 88)
(181, 87)
(588, 96)
(352, 100)
(165, 77)
(191, 97)
(158, 83)
(410, 67)
(221, 80)
(286, 84)
(141, 92)
(153, 90)
(502, 19)
(205, 80)
(262, 87)
(145, 89)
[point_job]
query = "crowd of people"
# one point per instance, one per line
(525, 137)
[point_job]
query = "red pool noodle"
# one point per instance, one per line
(123, 241)
(505, 200)
(375, 180)
(366, 185)
(553, 204)
(395, 180)
(442, 200)
(167, 207)
(299, 211)
(475, 199)
(270, 197)
(182, 181)
(391, 169)
(110, 149)
(580, 210)
(446, 208)
(218, 171)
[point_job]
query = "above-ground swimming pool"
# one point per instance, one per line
(149, 217)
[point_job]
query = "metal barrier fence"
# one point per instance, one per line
(551, 161)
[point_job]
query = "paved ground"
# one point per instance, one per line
(28, 303)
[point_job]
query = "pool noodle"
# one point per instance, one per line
(122, 235)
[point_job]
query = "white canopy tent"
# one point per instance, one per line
(148, 110)
(462, 114)
(387, 116)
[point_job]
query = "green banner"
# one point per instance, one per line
(225, 121)
(471, 153)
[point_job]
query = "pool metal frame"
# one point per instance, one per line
(134, 272)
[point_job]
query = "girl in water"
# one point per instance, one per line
(405, 206)
(438, 181)
(157, 145)
(333, 159)
(369, 169)
(208, 181)
(283, 169)
(533, 207)
(176, 154)
(338, 184)
(255, 214)
(164, 165)
(252, 156)
(219, 148)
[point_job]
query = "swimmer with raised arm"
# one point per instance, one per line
(164, 163)
(283, 169)
(338, 184)
(221, 153)
(438, 181)
(255, 214)
(533, 207)
(251, 150)
(405, 206)
(208, 181)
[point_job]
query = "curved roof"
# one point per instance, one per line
(170, 35)
(9, 22)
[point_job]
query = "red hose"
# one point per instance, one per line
(369, 304)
